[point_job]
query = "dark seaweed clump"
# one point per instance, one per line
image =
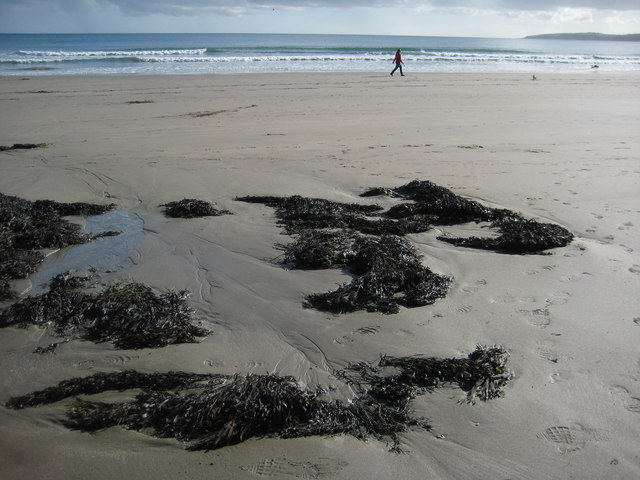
(129, 315)
(389, 271)
(21, 146)
(116, 381)
(482, 374)
(440, 204)
(365, 239)
(191, 208)
(443, 207)
(517, 235)
(213, 411)
(26, 227)
(298, 213)
(334, 235)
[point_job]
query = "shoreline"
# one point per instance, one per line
(526, 75)
(562, 149)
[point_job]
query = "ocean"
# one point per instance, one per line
(166, 54)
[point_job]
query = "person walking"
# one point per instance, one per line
(398, 61)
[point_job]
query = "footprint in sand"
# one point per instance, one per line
(508, 298)
(629, 402)
(545, 352)
(574, 437)
(538, 317)
(576, 277)
(119, 359)
(558, 298)
(85, 364)
(367, 330)
(213, 363)
(560, 376)
(625, 226)
(277, 467)
(535, 271)
(576, 251)
(403, 333)
(505, 298)
(344, 340)
(475, 286)
(635, 269)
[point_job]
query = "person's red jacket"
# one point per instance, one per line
(398, 58)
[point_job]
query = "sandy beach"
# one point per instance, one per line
(562, 149)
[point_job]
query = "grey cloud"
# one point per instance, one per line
(238, 7)
(538, 5)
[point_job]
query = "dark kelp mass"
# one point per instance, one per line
(213, 411)
(517, 235)
(26, 227)
(366, 240)
(298, 213)
(333, 235)
(116, 381)
(192, 208)
(482, 374)
(389, 271)
(22, 146)
(443, 207)
(129, 315)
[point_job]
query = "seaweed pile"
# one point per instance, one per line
(213, 411)
(298, 214)
(129, 315)
(517, 235)
(342, 235)
(442, 207)
(210, 411)
(115, 381)
(21, 146)
(26, 227)
(389, 271)
(430, 205)
(482, 375)
(366, 240)
(192, 208)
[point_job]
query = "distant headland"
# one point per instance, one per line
(632, 37)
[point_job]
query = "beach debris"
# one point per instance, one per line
(483, 374)
(113, 381)
(15, 263)
(22, 146)
(298, 213)
(438, 203)
(51, 348)
(131, 316)
(74, 208)
(389, 271)
(191, 208)
(517, 235)
(366, 240)
(443, 207)
(210, 411)
(213, 411)
(27, 227)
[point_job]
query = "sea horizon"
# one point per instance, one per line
(233, 53)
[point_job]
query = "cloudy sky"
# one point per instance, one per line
(468, 18)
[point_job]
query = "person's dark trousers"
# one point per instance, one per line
(398, 66)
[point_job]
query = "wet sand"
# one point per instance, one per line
(562, 149)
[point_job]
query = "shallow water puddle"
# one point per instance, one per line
(102, 255)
